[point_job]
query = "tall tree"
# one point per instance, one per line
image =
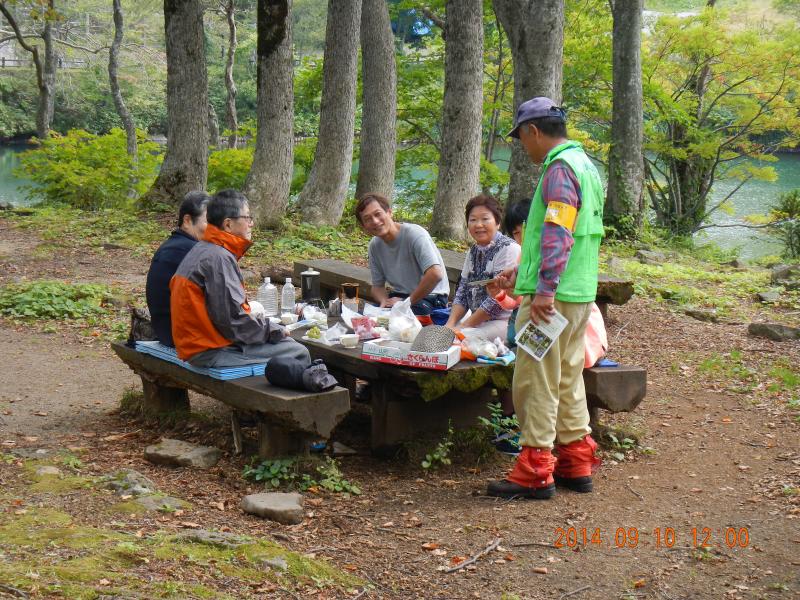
(45, 66)
(535, 30)
(379, 104)
(624, 205)
(113, 64)
(185, 166)
(322, 199)
(270, 175)
(459, 161)
(230, 85)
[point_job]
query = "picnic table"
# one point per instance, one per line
(408, 402)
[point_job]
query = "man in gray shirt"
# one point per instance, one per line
(404, 256)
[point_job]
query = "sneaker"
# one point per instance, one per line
(508, 489)
(508, 443)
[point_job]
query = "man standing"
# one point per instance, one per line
(404, 256)
(191, 226)
(558, 271)
(211, 321)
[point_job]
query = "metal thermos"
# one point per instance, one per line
(309, 285)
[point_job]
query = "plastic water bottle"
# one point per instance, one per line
(268, 296)
(287, 297)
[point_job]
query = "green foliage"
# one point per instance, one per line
(291, 472)
(272, 473)
(499, 425)
(440, 455)
(785, 222)
(303, 161)
(228, 168)
(72, 462)
(52, 300)
(17, 96)
(332, 479)
(731, 368)
(88, 171)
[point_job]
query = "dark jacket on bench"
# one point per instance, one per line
(165, 262)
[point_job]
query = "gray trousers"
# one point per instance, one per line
(236, 356)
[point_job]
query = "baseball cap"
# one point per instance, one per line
(535, 108)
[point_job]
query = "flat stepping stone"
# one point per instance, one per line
(703, 314)
(32, 452)
(177, 453)
(276, 564)
(127, 482)
(774, 331)
(286, 508)
(48, 471)
(160, 503)
(214, 538)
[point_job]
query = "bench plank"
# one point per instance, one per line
(312, 413)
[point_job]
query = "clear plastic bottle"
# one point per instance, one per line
(268, 296)
(287, 297)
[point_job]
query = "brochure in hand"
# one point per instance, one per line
(537, 340)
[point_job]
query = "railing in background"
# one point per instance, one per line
(63, 63)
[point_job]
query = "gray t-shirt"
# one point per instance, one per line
(402, 262)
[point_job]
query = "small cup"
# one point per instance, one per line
(349, 340)
(288, 318)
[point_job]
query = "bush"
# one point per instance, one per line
(785, 216)
(52, 300)
(89, 171)
(228, 168)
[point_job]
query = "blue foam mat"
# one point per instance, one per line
(163, 352)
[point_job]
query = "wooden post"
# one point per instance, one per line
(160, 400)
(274, 441)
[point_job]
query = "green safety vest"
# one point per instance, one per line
(578, 282)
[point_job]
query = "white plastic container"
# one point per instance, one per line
(287, 297)
(268, 296)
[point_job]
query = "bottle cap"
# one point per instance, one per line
(288, 280)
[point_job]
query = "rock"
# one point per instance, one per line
(613, 290)
(6, 206)
(769, 297)
(276, 506)
(649, 257)
(703, 314)
(127, 482)
(214, 538)
(251, 276)
(774, 331)
(31, 452)
(48, 471)
(782, 272)
(160, 503)
(616, 265)
(340, 449)
(737, 264)
(182, 454)
(277, 564)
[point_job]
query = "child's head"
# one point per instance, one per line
(516, 215)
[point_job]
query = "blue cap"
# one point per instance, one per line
(535, 108)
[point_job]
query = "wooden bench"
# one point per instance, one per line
(408, 402)
(333, 273)
(287, 419)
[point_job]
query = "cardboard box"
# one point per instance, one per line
(399, 353)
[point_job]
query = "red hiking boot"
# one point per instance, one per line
(576, 463)
(532, 476)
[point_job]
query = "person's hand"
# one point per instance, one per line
(452, 327)
(493, 288)
(542, 308)
(506, 279)
(389, 302)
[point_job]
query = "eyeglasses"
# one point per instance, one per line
(247, 218)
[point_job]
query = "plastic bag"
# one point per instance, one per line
(334, 333)
(595, 337)
(479, 346)
(403, 323)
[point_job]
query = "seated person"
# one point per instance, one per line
(191, 225)
(514, 226)
(211, 321)
(474, 306)
(404, 256)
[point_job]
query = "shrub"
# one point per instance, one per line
(785, 224)
(228, 168)
(89, 171)
(52, 300)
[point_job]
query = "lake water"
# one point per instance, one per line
(754, 198)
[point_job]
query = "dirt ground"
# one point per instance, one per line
(718, 466)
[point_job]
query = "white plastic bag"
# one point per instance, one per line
(403, 324)
(479, 346)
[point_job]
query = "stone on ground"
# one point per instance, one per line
(178, 453)
(703, 314)
(774, 331)
(786, 275)
(277, 564)
(650, 257)
(213, 538)
(275, 506)
(48, 471)
(160, 503)
(339, 449)
(127, 482)
(769, 297)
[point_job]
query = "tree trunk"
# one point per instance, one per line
(230, 105)
(213, 127)
(270, 176)
(45, 71)
(535, 31)
(624, 205)
(113, 62)
(322, 199)
(460, 157)
(379, 108)
(185, 166)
